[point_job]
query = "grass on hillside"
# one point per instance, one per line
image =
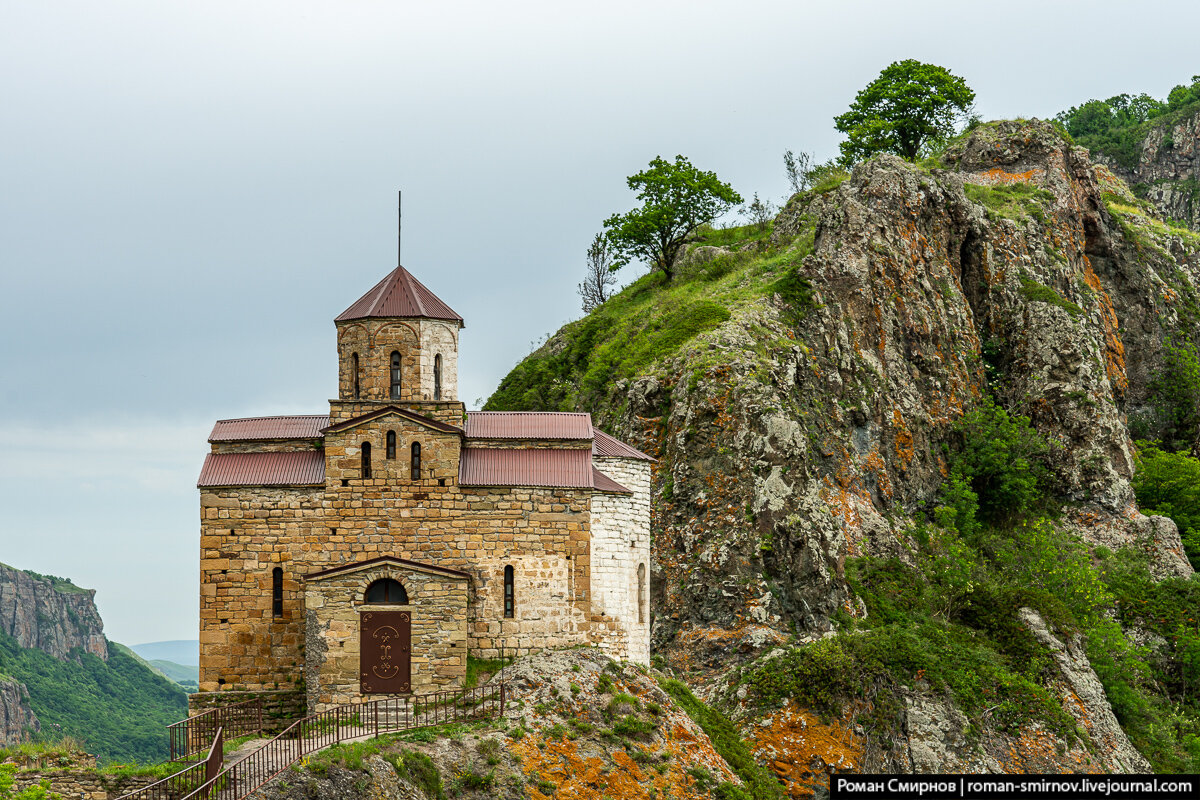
(119, 709)
(650, 320)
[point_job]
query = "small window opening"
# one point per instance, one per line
(437, 377)
(386, 590)
(277, 592)
(416, 461)
(395, 375)
(391, 444)
(366, 461)
(641, 593)
(509, 593)
(354, 374)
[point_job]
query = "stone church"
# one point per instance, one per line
(365, 552)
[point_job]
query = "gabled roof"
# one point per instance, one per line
(297, 468)
(420, 419)
(403, 563)
(605, 446)
(527, 425)
(256, 428)
(399, 295)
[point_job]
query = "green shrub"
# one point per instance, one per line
(1168, 484)
(1003, 460)
(40, 791)
(1176, 394)
(760, 783)
(1035, 292)
(419, 770)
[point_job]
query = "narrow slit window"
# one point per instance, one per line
(641, 593)
(416, 461)
(395, 375)
(357, 386)
(366, 461)
(277, 592)
(509, 593)
(437, 377)
(391, 444)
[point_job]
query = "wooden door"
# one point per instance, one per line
(385, 652)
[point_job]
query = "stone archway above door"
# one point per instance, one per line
(337, 627)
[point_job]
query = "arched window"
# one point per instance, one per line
(366, 461)
(437, 377)
(395, 375)
(510, 599)
(354, 374)
(416, 461)
(641, 592)
(277, 592)
(391, 444)
(386, 590)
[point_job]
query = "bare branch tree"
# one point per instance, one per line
(599, 279)
(798, 167)
(759, 212)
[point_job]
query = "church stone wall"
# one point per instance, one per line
(334, 605)
(544, 533)
(620, 545)
(417, 341)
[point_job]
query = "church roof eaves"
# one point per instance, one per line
(528, 425)
(399, 294)
(404, 412)
(370, 562)
(605, 446)
(295, 468)
(603, 483)
(249, 429)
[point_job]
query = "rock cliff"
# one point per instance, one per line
(17, 720)
(1168, 171)
(807, 437)
(50, 614)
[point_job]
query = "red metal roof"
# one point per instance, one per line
(305, 468)
(528, 425)
(603, 483)
(254, 428)
(567, 469)
(605, 446)
(399, 295)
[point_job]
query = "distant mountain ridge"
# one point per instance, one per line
(60, 676)
(180, 651)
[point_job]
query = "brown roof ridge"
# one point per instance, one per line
(445, 427)
(352, 565)
(573, 425)
(400, 294)
(280, 427)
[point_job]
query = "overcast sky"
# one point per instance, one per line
(192, 191)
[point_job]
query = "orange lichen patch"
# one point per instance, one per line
(1114, 348)
(1035, 750)
(997, 176)
(802, 750)
(575, 776)
(845, 503)
(904, 440)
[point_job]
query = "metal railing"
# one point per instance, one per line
(318, 731)
(193, 734)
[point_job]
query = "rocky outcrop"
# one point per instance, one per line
(50, 614)
(1168, 172)
(577, 725)
(17, 719)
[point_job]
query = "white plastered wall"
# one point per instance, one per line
(439, 338)
(620, 544)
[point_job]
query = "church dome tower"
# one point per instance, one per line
(398, 345)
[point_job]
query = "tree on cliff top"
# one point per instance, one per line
(676, 200)
(908, 106)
